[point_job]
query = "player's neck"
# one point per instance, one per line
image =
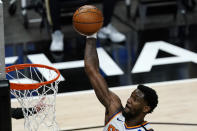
(134, 121)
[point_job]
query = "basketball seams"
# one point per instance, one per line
(87, 32)
(87, 20)
(88, 23)
(87, 12)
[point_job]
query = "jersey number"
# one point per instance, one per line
(112, 128)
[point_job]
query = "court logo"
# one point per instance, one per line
(146, 60)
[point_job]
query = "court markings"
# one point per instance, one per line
(130, 87)
(81, 110)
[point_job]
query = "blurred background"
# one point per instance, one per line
(28, 36)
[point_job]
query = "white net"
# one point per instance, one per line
(38, 104)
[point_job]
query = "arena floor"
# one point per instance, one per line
(82, 111)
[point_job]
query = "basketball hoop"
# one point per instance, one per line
(35, 86)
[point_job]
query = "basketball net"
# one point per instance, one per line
(38, 102)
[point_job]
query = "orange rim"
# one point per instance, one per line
(20, 86)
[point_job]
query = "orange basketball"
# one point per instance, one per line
(87, 20)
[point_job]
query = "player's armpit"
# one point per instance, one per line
(115, 104)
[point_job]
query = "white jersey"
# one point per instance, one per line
(117, 123)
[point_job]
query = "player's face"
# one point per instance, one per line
(135, 104)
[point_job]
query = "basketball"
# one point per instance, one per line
(87, 20)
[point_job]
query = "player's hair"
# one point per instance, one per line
(150, 96)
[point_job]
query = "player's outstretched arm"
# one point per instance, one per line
(111, 101)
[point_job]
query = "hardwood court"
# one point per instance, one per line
(177, 109)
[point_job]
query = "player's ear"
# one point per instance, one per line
(146, 109)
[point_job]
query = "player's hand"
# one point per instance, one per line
(92, 36)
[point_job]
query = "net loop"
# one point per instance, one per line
(23, 86)
(35, 86)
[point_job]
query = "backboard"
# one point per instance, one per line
(2, 50)
(5, 119)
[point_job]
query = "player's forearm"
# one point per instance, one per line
(91, 56)
(92, 69)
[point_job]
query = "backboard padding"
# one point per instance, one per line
(2, 46)
(5, 114)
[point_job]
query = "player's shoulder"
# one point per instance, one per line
(116, 104)
(109, 116)
(147, 126)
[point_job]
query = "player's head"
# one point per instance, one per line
(143, 100)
